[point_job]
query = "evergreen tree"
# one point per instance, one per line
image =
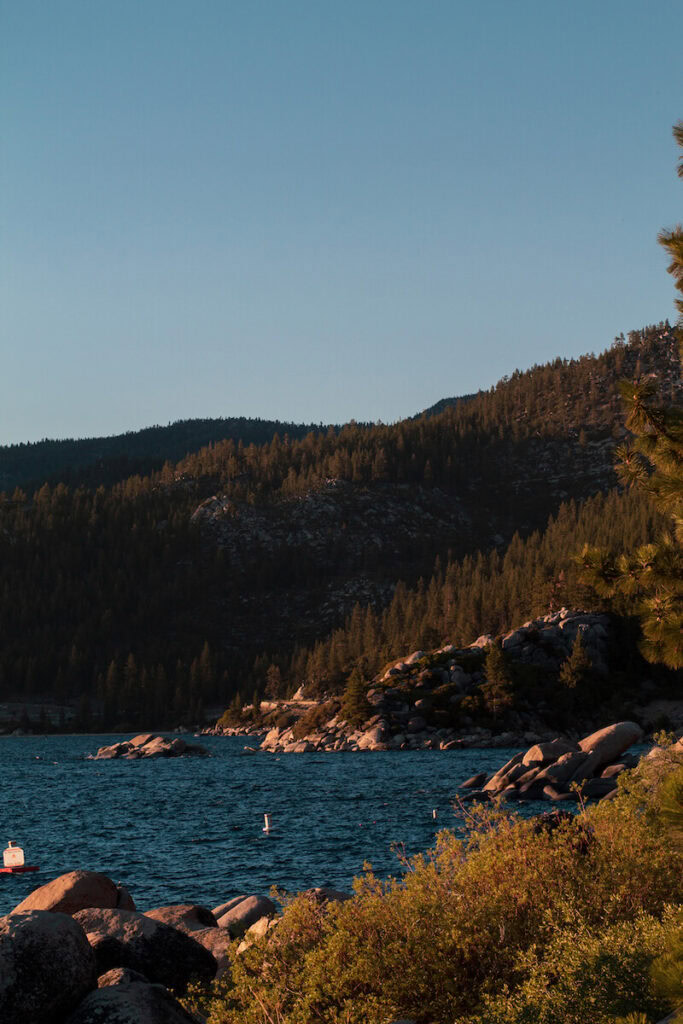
(355, 707)
(653, 462)
(575, 670)
(497, 692)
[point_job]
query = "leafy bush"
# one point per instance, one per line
(585, 974)
(508, 926)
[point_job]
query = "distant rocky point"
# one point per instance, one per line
(423, 700)
(150, 745)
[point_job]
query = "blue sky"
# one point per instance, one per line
(320, 211)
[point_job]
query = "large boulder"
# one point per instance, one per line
(46, 967)
(77, 890)
(373, 738)
(162, 953)
(187, 917)
(474, 781)
(219, 942)
(497, 782)
(596, 789)
(130, 1002)
(545, 753)
(223, 908)
(245, 914)
(607, 744)
(564, 769)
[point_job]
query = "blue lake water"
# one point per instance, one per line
(191, 829)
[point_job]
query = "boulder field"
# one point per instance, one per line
(77, 952)
(150, 745)
(562, 770)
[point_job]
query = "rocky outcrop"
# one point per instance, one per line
(46, 967)
(98, 964)
(150, 745)
(163, 954)
(560, 770)
(421, 701)
(77, 890)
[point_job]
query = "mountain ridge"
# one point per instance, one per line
(205, 579)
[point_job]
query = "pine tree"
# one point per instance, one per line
(653, 462)
(575, 670)
(497, 691)
(355, 707)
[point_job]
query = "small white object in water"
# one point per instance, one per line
(13, 856)
(266, 825)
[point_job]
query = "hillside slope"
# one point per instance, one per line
(149, 598)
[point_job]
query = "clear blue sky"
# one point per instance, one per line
(319, 211)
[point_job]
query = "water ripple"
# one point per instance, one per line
(192, 829)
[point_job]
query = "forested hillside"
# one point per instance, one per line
(238, 566)
(93, 461)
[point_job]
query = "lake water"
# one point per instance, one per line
(191, 829)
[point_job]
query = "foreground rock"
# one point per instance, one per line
(77, 890)
(163, 954)
(150, 745)
(219, 943)
(46, 967)
(130, 1002)
(562, 771)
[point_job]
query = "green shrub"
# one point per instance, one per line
(512, 924)
(585, 975)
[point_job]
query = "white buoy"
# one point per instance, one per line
(266, 823)
(13, 856)
(434, 814)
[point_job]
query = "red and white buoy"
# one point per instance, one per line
(13, 860)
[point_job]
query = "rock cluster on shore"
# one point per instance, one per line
(76, 951)
(412, 704)
(561, 770)
(150, 745)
